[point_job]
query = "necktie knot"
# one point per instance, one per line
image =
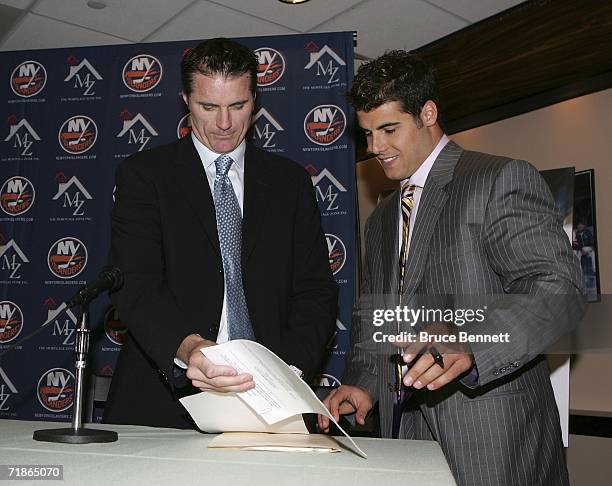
(223, 164)
(408, 190)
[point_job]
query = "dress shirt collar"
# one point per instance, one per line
(208, 157)
(419, 178)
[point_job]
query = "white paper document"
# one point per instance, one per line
(276, 403)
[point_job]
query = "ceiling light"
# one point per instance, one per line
(96, 4)
(293, 2)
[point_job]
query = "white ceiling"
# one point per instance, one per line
(380, 24)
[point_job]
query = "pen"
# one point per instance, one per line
(438, 359)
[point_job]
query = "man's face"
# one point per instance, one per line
(396, 141)
(221, 110)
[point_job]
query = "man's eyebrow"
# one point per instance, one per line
(387, 125)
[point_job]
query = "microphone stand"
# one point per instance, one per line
(77, 434)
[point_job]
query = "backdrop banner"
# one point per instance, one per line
(71, 116)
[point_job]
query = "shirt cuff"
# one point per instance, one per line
(180, 363)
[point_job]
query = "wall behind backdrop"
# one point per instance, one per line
(71, 115)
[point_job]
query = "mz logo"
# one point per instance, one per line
(327, 189)
(22, 136)
(84, 76)
(327, 64)
(63, 328)
(7, 389)
(327, 381)
(332, 344)
(142, 73)
(266, 128)
(11, 259)
(138, 130)
(73, 194)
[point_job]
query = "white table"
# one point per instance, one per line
(156, 456)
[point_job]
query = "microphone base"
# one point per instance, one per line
(71, 436)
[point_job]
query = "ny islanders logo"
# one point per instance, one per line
(16, 196)
(116, 331)
(21, 136)
(72, 194)
(271, 66)
(28, 79)
(142, 73)
(12, 259)
(137, 129)
(184, 126)
(324, 124)
(56, 389)
(67, 257)
(336, 251)
(78, 134)
(82, 76)
(265, 129)
(325, 63)
(11, 321)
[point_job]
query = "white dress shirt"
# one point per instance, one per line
(418, 179)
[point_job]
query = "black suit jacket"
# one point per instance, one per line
(164, 239)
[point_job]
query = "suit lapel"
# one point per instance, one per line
(192, 178)
(255, 195)
(433, 199)
(390, 252)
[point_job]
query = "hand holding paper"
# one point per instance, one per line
(278, 399)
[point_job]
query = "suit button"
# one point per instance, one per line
(495, 373)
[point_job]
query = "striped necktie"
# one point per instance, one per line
(407, 203)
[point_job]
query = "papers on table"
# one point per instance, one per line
(245, 441)
(275, 405)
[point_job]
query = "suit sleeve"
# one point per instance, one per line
(145, 303)
(527, 248)
(314, 293)
(361, 368)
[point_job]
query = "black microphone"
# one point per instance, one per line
(111, 279)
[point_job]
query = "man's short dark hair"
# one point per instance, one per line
(216, 57)
(395, 76)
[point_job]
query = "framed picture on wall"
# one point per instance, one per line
(584, 240)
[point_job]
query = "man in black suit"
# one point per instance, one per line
(217, 240)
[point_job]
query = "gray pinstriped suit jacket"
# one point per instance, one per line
(486, 225)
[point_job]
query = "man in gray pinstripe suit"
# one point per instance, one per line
(482, 231)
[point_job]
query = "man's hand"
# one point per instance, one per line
(424, 372)
(344, 400)
(208, 376)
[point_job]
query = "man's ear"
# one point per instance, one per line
(185, 98)
(429, 114)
